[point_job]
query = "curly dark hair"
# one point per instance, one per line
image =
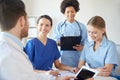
(68, 3)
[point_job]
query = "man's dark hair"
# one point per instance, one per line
(68, 3)
(10, 11)
(47, 17)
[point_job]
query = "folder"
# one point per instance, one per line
(68, 42)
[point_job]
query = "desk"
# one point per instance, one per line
(67, 73)
(104, 78)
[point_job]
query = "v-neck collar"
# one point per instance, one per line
(103, 43)
(42, 43)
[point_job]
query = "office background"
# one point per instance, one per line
(108, 9)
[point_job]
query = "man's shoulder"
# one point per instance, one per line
(4, 54)
(5, 49)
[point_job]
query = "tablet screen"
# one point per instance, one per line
(85, 73)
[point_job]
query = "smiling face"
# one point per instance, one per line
(70, 13)
(44, 26)
(96, 28)
(94, 33)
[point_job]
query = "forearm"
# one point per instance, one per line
(106, 70)
(64, 67)
(40, 71)
(81, 63)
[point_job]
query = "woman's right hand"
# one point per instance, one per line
(54, 73)
(76, 70)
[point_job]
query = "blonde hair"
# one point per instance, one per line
(98, 22)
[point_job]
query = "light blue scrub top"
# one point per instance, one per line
(70, 58)
(105, 54)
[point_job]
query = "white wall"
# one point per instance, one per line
(108, 9)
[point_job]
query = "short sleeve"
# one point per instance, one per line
(112, 55)
(29, 49)
(57, 33)
(82, 57)
(57, 53)
(84, 34)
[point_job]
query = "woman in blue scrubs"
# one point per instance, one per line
(70, 27)
(100, 53)
(43, 51)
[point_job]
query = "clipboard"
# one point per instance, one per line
(68, 42)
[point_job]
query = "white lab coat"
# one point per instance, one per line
(14, 63)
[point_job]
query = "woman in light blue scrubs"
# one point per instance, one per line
(99, 53)
(70, 27)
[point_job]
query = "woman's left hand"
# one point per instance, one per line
(103, 71)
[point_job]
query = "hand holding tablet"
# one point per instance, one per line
(85, 73)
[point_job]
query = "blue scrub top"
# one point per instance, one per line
(42, 56)
(70, 58)
(105, 54)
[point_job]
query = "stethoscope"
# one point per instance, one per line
(64, 23)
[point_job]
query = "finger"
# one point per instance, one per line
(105, 73)
(69, 77)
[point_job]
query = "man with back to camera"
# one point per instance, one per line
(14, 63)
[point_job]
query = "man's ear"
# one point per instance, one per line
(22, 21)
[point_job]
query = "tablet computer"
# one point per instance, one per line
(85, 73)
(68, 42)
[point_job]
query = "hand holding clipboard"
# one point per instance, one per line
(70, 42)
